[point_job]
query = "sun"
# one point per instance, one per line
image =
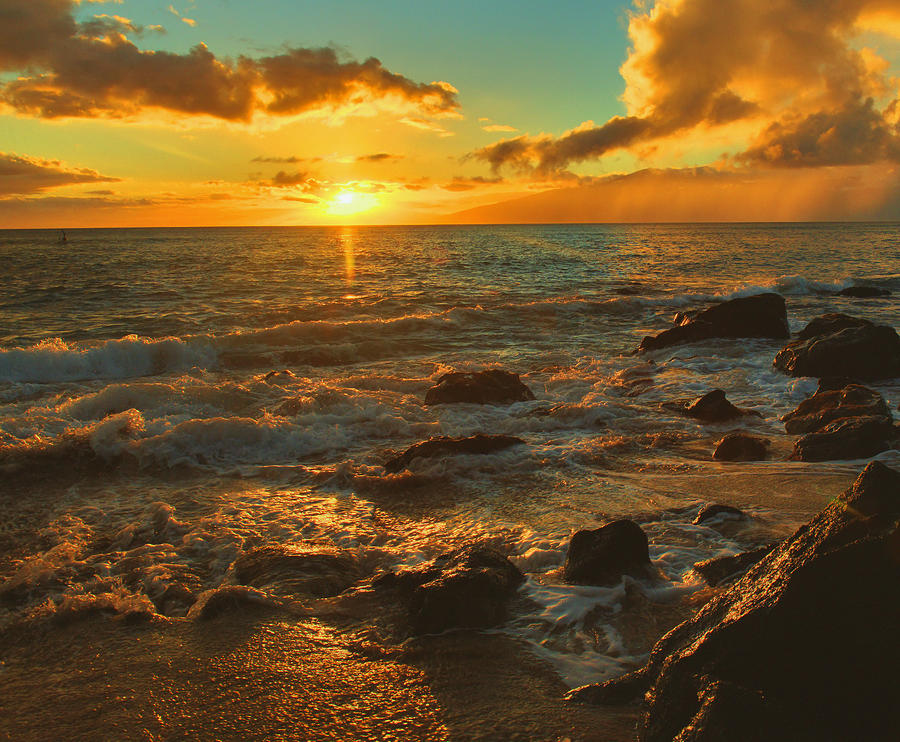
(351, 202)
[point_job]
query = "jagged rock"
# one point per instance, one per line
(846, 438)
(492, 386)
(445, 446)
(834, 383)
(737, 446)
(602, 556)
(288, 570)
(759, 316)
(712, 407)
(715, 510)
(803, 647)
(229, 599)
(723, 569)
(467, 588)
(863, 292)
(826, 406)
(839, 345)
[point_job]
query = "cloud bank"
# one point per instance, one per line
(92, 69)
(787, 65)
(26, 175)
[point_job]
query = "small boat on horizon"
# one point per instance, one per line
(62, 236)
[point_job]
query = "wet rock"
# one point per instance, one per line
(616, 692)
(839, 345)
(863, 292)
(445, 446)
(737, 446)
(604, 555)
(759, 316)
(828, 405)
(715, 510)
(728, 568)
(811, 629)
(846, 438)
(492, 386)
(289, 570)
(227, 600)
(712, 407)
(834, 383)
(467, 588)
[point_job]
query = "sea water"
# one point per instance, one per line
(172, 398)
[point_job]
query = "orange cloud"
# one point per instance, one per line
(24, 175)
(788, 64)
(91, 69)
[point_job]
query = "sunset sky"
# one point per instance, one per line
(221, 112)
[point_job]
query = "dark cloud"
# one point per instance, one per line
(284, 179)
(708, 63)
(23, 175)
(460, 183)
(283, 160)
(91, 69)
(379, 157)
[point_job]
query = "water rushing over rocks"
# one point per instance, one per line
(197, 495)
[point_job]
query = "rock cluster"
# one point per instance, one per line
(493, 386)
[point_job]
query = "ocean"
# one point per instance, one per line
(171, 399)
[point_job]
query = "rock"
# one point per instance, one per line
(482, 387)
(834, 383)
(616, 692)
(467, 588)
(444, 446)
(842, 346)
(846, 438)
(863, 292)
(712, 407)
(737, 446)
(725, 569)
(288, 570)
(229, 599)
(811, 629)
(826, 406)
(715, 510)
(603, 556)
(759, 316)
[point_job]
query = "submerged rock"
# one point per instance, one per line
(445, 446)
(863, 292)
(725, 569)
(846, 438)
(604, 555)
(828, 405)
(712, 407)
(716, 510)
(738, 446)
(803, 647)
(840, 345)
(288, 570)
(467, 588)
(492, 386)
(229, 599)
(759, 316)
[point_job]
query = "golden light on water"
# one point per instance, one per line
(346, 237)
(349, 202)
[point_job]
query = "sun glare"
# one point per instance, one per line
(351, 202)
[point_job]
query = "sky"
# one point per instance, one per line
(308, 112)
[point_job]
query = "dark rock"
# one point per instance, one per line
(229, 599)
(846, 438)
(444, 446)
(725, 569)
(760, 316)
(715, 510)
(617, 692)
(288, 570)
(834, 383)
(811, 629)
(712, 407)
(482, 387)
(824, 407)
(467, 588)
(602, 556)
(842, 346)
(863, 292)
(737, 446)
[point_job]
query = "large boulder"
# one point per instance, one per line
(737, 446)
(803, 647)
(604, 555)
(467, 588)
(492, 386)
(863, 292)
(727, 568)
(759, 316)
(846, 438)
(712, 407)
(825, 406)
(839, 345)
(292, 570)
(445, 446)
